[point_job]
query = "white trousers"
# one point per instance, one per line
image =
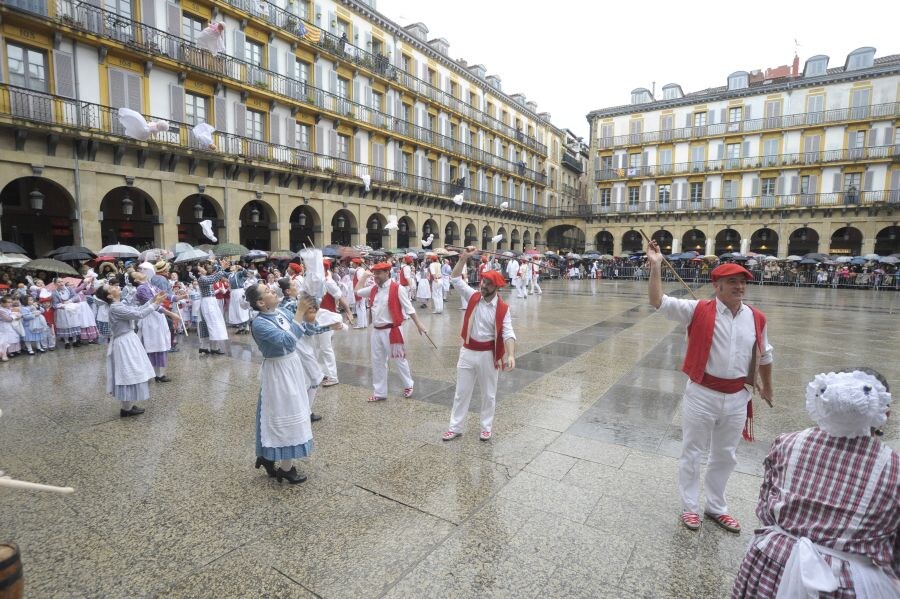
(381, 353)
(463, 302)
(535, 286)
(520, 287)
(711, 421)
(362, 314)
(326, 350)
(437, 295)
(474, 366)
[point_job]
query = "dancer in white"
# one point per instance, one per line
(437, 285)
(212, 332)
(361, 305)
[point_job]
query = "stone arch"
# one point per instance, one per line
(407, 237)
(451, 233)
(193, 209)
(140, 228)
(305, 222)
(846, 241)
(486, 234)
(515, 241)
(632, 241)
(764, 241)
(727, 240)
(38, 230)
(804, 240)
(664, 238)
(257, 220)
(502, 244)
(343, 227)
(375, 231)
(604, 242)
(565, 238)
(887, 241)
(471, 235)
(694, 241)
(537, 239)
(430, 227)
(526, 240)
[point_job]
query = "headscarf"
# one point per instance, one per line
(847, 404)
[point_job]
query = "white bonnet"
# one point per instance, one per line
(847, 404)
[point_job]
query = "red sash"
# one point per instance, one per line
(497, 344)
(403, 280)
(396, 311)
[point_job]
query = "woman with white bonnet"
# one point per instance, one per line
(829, 502)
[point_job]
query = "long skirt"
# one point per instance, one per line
(67, 321)
(236, 313)
(127, 369)
(9, 338)
(283, 385)
(87, 322)
(213, 323)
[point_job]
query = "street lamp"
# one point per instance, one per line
(301, 220)
(198, 210)
(426, 229)
(373, 224)
(127, 205)
(37, 200)
(403, 226)
(254, 214)
(341, 222)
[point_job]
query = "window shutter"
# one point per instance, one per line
(684, 191)
(332, 81)
(873, 138)
(754, 187)
(290, 133)
(240, 39)
(868, 181)
(596, 163)
(813, 184)
(148, 12)
(319, 82)
(746, 151)
(318, 14)
(332, 22)
(273, 58)
(64, 74)
(795, 184)
(173, 26)
(643, 193)
(645, 160)
(221, 116)
(134, 92)
(240, 119)
(398, 107)
(836, 183)
(176, 103)
(367, 38)
(116, 80)
(378, 150)
(747, 112)
(710, 117)
(357, 95)
(720, 151)
(723, 115)
(895, 186)
(707, 190)
(274, 129)
(779, 185)
(651, 193)
(688, 120)
(357, 150)
(320, 140)
(369, 100)
(332, 143)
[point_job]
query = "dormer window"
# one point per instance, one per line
(641, 95)
(861, 58)
(738, 80)
(815, 66)
(672, 91)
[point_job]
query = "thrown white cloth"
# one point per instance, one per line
(136, 125)
(206, 225)
(458, 199)
(497, 238)
(203, 133)
(392, 224)
(212, 38)
(367, 180)
(428, 241)
(504, 205)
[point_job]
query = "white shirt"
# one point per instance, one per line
(483, 322)
(733, 337)
(408, 274)
(435, 269)
(512, 269)
(381, 315)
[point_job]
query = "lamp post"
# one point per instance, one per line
(36, 198)
(254, 214)
(127, 206)
(198, 210)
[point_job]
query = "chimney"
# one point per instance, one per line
(796, 67)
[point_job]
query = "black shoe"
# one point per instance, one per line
(269, 465)
(163, 379)
(41, 350)
(68, 346)
(204, 351)
(77, 343)
(216, 352)
(174, 349)
(30, 352)
(292, 476)
(134, 411)
(314, 417)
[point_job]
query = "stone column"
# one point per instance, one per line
(676, 245)
(745, 245)
(710, 245)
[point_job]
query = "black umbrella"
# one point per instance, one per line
(8, 247)
(70, 256)
(817, 257)
(71, 250)
(378, 254)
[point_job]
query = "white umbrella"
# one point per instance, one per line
(889, 260)
(794, 258)
(192, 255)
(871, 256)
(843, 259)
(118, 250)
(181, 247)
(771, 259)
(13, 259)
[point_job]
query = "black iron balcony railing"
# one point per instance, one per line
(379, 63)
(775, 161)
(43, 110)
(837, 199)
(153, 41)
(787, 121)
(572, 162)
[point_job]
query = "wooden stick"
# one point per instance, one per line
(429, 339)
(672, 268)
(455, 247)
(21, 484)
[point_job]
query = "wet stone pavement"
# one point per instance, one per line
(573, 497)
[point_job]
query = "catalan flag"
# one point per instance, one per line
(313, 34)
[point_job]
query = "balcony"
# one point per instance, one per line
(20, 106)
(759, 202)
(726, 165)
(156, 43)
(572, 163)
(788, 121)
(335, 46)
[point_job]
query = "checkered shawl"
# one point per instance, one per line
(813, 486)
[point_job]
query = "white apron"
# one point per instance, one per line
(67, 316)
(127, 362)
(155, 333)
(85, 316)
(307, 352)
(238, 309)
(211, 314)
(284, 404)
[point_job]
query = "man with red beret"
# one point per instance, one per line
(360, 303)
(407, 279)
(489, 344)
(437, 287)
(727, 347)
(391, 307)
(332, 301)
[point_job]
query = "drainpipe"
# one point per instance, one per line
(75, 149)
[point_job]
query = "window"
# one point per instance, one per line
(634, 195)
(605, 197)
(861, 58)
(302, 135)
(859, 103)
(768, 187)
(196, 109)
(698, 157)
(406, 63)
(851, 188)
(343, 88)
(773, 114)
(432, 77)
(815, 105)
(664, 194)
(27, 67)
(700, 119)
(255, 120)
(301, 71)
(770, 152)
(634, 160)
(666, 123)
(606, 131)
(733, 156)
(815, 66)
(696, 192)
(735, 114)
(377, 47)
(454, 89)
(738, 80)
(253, 53)
(343, 147)
(343, 29)
(856, 141)
(730, 190)
(606, 164)
(378, 101)
(804, 185)
(191, 26)
(664, 158)
(119, 7)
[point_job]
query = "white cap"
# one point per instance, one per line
(847, 404)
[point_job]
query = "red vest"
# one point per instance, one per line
(328, 302)
(498, 347)
(355, 296)
(394, 308)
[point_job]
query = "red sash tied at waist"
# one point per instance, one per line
(723, 385)
(384, 326)
(479, 345)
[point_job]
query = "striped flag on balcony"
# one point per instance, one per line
(313, 34)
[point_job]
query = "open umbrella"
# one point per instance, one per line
(118, 250)
(858, 261)
(889, 260)
(377, 254)
(181, 247)
(843, 259)
(281, 255)
(871, 256)
(532, 252)
(72, 249)
(229, 249)
(8, 247)
(817, 257)
(808, 261)
(793, 258)
(192, 255)
(550, 253)
(72, 256)
(770, 259)
(156, 254)
(206, 247)
(606, 256)
(50, 265)
(331, 251)
(441, 251)
(255, 256)
(13, 259)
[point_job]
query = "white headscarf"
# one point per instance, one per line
(847, 404)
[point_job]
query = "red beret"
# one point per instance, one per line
(326, 261)
(408, 259)
(494, 277)
(356, 261)
(382, 266)
(433, 258)
(730, 269)
(484, 258)
(295, 266)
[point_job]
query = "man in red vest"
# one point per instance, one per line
(489, 345)
(332, 301)
(727, 344)
(391, 307)
(407, 278)
(360, 306)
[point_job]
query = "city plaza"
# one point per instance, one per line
(331, 122)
